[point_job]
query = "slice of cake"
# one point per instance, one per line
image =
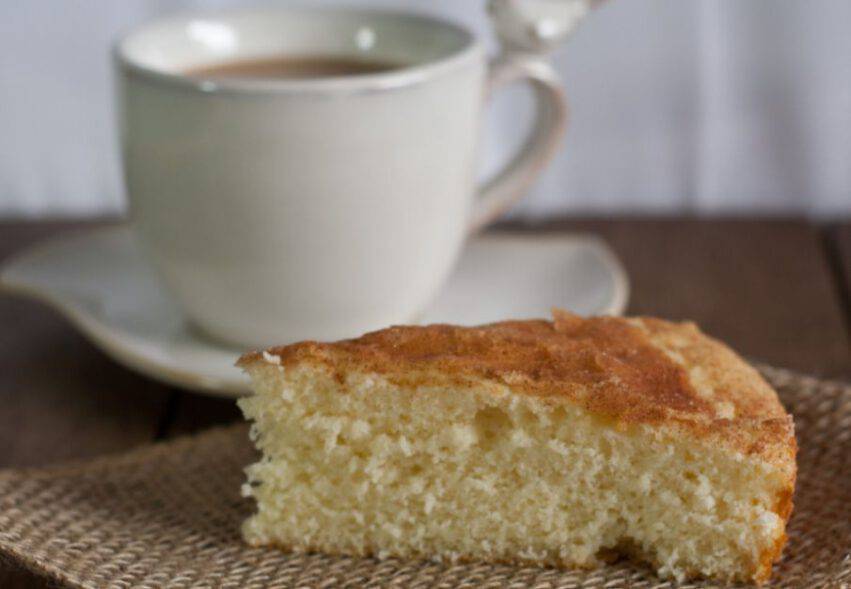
(558, 443)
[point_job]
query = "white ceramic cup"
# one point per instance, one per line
(286, 209)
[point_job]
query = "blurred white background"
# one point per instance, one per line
(701, 106)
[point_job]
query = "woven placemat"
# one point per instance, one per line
(168, 515)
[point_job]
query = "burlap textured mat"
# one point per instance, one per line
(168, 516)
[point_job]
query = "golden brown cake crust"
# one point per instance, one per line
(632, 371)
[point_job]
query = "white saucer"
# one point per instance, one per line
(107, 289)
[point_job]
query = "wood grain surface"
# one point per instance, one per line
(838, 247)
(764, 287)
(774, 289)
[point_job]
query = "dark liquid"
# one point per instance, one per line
(287, 68)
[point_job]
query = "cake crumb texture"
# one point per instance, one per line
(555, 443)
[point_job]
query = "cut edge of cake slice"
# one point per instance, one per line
(555, 443)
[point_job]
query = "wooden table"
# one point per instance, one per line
(776, 290)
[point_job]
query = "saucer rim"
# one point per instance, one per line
(113, 341)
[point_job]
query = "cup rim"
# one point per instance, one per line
(405, 76)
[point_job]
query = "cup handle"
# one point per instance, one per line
(551, 114)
